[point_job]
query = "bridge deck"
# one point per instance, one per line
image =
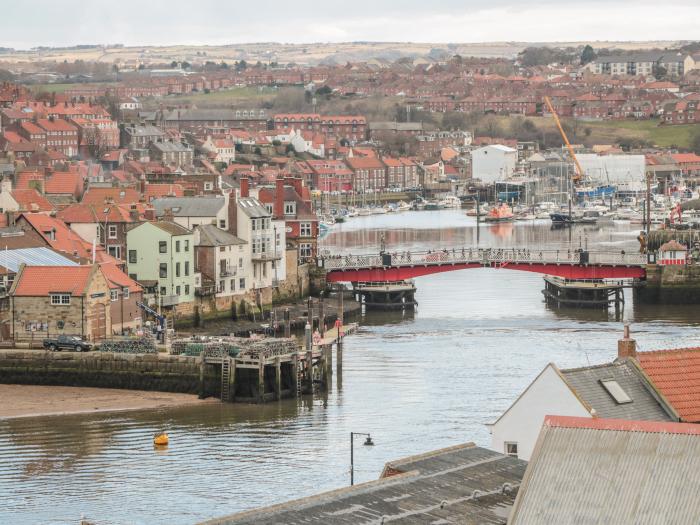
(573, 264)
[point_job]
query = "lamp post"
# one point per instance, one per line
(368, 443)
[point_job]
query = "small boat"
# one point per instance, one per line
(161, 439)
(403, 206)
(561, 218)
(432, 205)
(502, 213)
(451, 201)
(364, 212)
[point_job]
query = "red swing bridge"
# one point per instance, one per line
(567, 264)
(572, 277)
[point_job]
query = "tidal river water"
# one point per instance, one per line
(415, 381)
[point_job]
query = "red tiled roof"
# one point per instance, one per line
(118, 279)
(56, 125)
(64, 183)
(64, 239)
(40, 281)
(685, 157)
(98, 196)
(622, 425)
(676, 374)
(31, 200)
(154, 191)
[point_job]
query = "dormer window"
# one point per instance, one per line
(290, 208)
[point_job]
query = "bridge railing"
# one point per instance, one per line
(484, 256)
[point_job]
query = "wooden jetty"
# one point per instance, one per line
(585, 293)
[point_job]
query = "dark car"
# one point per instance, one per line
(67, 342)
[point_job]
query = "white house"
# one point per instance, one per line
(617, 390)
(493, 163)
(222, 259)
(223, 148)
(192, 211)
(129, 103)
(254, 225)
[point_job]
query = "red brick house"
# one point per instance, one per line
(369, 173)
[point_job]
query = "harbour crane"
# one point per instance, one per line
(578, 176)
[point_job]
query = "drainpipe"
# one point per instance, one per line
(82, 316)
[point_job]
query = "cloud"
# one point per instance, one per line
(135, 22)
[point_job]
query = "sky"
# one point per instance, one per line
(30, 23)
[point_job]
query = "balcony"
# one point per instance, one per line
(230, 271)
(169, 300)
(265, 256)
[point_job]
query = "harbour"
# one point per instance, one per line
(485, 332)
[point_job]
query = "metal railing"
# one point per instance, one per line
(485, 256)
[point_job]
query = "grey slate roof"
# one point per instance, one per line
(210, 115)
(395, 126)
(462, 484)
(170, 227)
(253, 208)
(611, 472)
(210, 235)
(203, 206)
(169, 147)
(144, 131)
(586, 382)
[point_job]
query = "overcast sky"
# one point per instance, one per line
(29, 23)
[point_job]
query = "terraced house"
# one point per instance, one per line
(161, 259)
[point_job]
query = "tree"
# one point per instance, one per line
(186, 65)
(658, 71)
(324, 90)
(587, 55)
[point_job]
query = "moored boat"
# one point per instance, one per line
(502, 213)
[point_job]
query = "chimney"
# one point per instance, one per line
(279, 199)
(626, 347)
(296, 183)
(245, 186)
(232, 212)
(149, 214)
(168, 215)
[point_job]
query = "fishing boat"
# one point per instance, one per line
(432, 205)
(450, 201)
(502, 213)
(403, 206)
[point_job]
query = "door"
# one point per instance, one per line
(99, 322)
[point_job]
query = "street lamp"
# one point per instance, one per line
(368, 443)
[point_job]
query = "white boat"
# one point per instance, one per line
(451, 202)
(403, 206)
(364, 212)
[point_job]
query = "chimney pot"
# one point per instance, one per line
(626, 347)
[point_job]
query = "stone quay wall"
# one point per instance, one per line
(158, 372)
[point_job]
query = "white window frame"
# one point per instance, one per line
(125, 293)
(113, 295)
(60, 299)
(112, 228)
(507, 445)
(305, 229)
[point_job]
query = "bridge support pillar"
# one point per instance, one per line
(398, 295)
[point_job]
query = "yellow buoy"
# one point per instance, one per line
(160, 439)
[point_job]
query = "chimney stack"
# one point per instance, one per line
(245, 186)
(279, 199)
(626, 347)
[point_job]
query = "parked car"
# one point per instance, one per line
(67, 342)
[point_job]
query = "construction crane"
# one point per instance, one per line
(579, 171)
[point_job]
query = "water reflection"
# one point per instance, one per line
(416, 381)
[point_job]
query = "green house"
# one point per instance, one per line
(160, 256)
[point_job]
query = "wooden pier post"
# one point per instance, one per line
(287, 324)
(295, 375)
(232, 380)
(261, 381)
(310, 372)
(278, 378)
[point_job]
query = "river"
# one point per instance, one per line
(415, 381)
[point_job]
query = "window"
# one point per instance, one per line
(132, 256)
(241, 283)
(162, 246)
(177, 246)
(222, 224)
(290, 208)
(112, 231)
(240, 262)
(113, 295)
(115, 251)
(133, 276)
(177, 269)
(187, 268)
(511, 448)
(163, 270)
(187, 289)
(233, 285)
(125, 293)
(222, 287)
(177, 290)
(187, 245)
(60, 299)
(305, 229)
(305, 250)
(616, 392)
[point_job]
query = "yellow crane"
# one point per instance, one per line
(579, 171)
